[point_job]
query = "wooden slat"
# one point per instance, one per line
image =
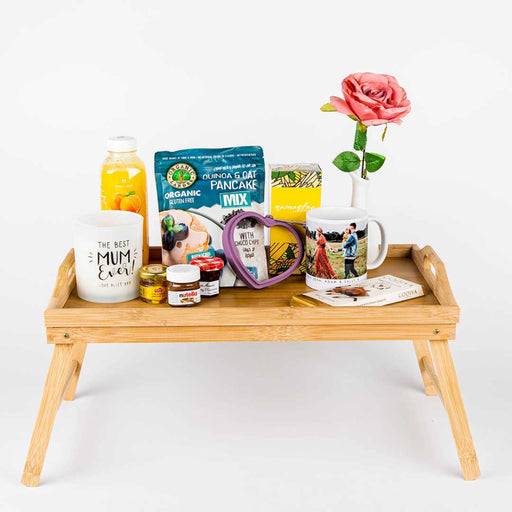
(78, 357)
(428, 367)
(328, 332)
(426, 259)
(422, 349)
(399, 251)
(255, 316)
(65, 282)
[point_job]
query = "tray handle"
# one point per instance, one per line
(65, 282)
(434, 272)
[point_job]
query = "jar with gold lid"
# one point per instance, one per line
(152, 287)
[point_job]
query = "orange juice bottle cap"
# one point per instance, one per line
(121, 144)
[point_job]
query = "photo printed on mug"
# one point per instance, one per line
(334, 255)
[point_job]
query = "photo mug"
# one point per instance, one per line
(108, 255)
(337, 246)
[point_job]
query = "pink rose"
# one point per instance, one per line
(373, 99)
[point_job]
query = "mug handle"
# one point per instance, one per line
(377, 262)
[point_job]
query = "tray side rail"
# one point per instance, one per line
(434, 272)
(65, 282)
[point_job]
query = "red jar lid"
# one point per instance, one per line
(208, 264)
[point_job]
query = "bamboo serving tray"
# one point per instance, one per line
(242, 314)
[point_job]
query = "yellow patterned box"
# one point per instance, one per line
(294, 190)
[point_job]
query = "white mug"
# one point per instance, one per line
(337, 246)
(108, 255)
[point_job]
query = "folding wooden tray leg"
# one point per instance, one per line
(62, 369)
(422, 350)
(452, 400)
(78, 356)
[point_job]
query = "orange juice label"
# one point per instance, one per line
(123, 187)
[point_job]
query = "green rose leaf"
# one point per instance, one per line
(360, 137)
(374, 161)
(327, 107)
(347, 161)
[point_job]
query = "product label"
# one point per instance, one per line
(184, 298)
(152, 292)
(181, 175)
(210, 253)
(237, 199)
(209, 288)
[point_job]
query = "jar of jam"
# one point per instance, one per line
(209, 281)
(183, 285)
(152, 287)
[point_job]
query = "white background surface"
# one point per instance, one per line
(257, 427)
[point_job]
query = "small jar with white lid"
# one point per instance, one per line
(183, 288)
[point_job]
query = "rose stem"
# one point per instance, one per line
(363, 173)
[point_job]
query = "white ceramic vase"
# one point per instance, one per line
(360, 190)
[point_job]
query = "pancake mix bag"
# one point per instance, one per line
(199, 190)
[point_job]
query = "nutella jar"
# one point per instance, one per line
(183, 285)
(209, 281)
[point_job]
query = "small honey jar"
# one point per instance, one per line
(152, 288)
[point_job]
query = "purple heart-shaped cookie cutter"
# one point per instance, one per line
(231, 251)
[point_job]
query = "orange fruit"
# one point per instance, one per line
(115, 201)
(131, 203)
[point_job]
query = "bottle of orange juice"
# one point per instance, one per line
(123, 182)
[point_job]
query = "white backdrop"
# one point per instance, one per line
(223, 73)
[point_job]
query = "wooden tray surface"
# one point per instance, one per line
(243, 307)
